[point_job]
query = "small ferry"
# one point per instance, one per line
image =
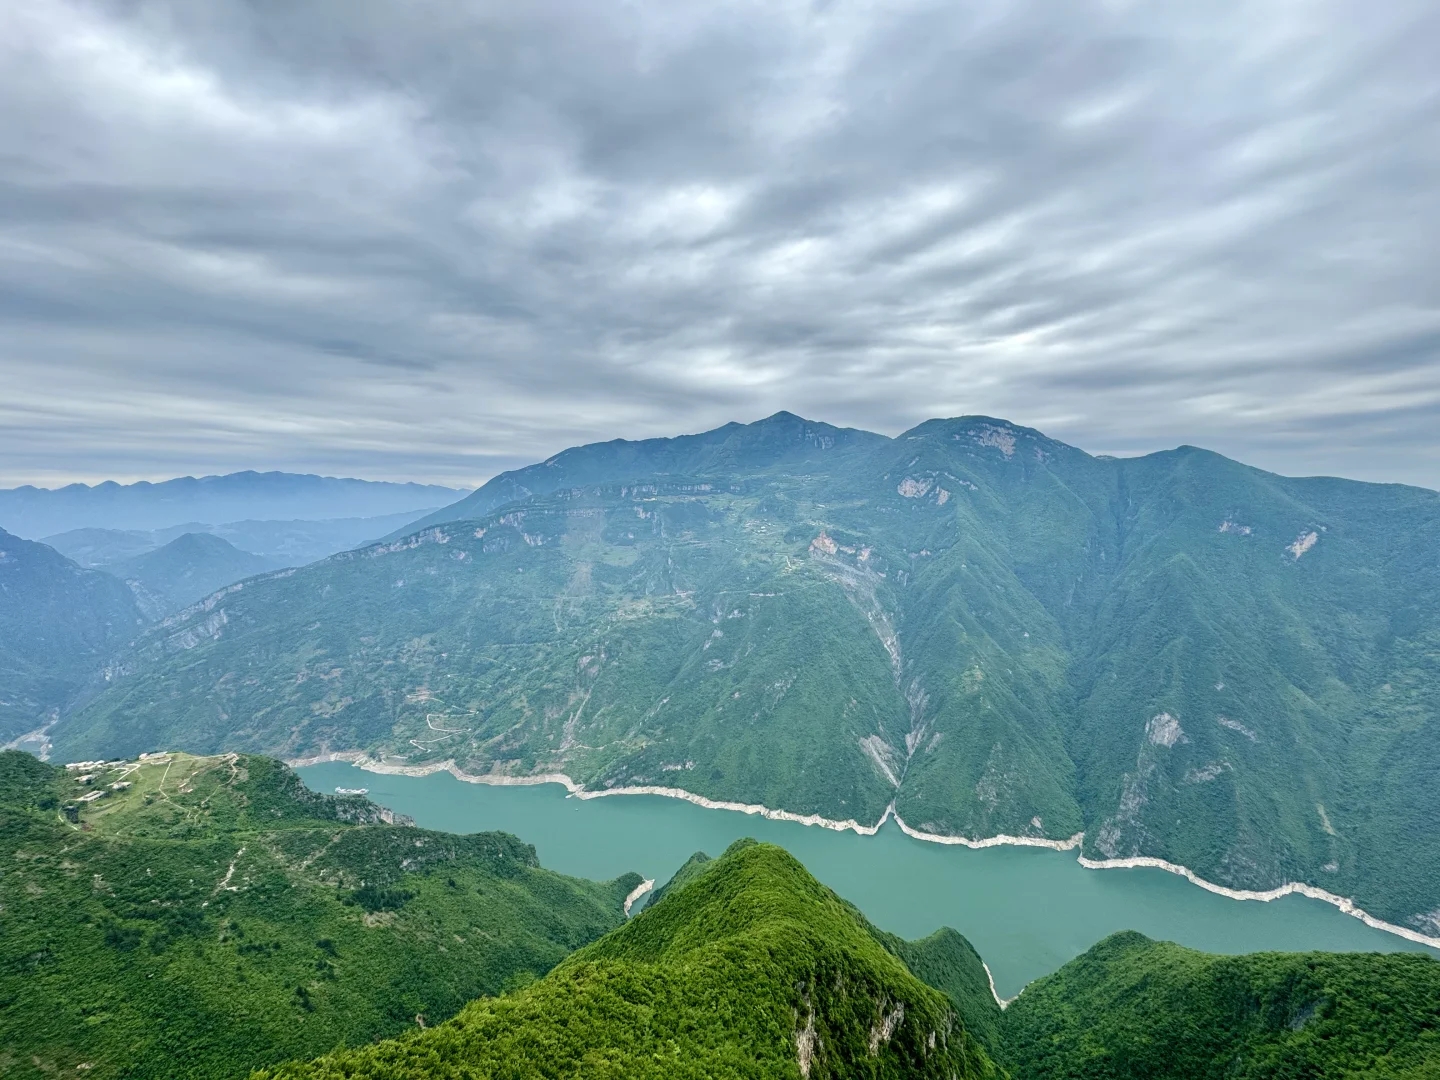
(352, 791)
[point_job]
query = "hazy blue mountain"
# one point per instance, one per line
(286, 543)
(994, 632)
(94, 548)
(58, 623)
(243, 496)
(295, 543)
(187, 569)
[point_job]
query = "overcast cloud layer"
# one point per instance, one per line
(432, 240)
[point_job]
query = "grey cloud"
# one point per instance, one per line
(432, 240)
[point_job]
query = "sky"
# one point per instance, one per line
(433, 240)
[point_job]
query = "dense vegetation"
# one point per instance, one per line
(205, 916)
(58, 624)
(949, 963)
(751, 968)
(1182, 656)
(945, 960)
(1136, 1009)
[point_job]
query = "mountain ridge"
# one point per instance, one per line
(231, 497)
(751, 968)
(1179, 656)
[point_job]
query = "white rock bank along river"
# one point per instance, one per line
(1027, 910)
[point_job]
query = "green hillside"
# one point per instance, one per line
(185, 571)
(1178, 655)
(1136, 1009)
(750, 969)
(58, 625)
(200, 917)
(945, 961)
(949, 963)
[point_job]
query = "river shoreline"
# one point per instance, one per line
(637, 892)
(361, 760)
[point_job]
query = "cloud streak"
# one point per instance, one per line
(434, 240)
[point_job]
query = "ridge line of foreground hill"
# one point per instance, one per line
(1345, 904)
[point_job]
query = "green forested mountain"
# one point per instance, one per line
(1136, 1009)
(201, 917)
(945, 960)
(751, 968)
(1180, 656)
(782, 440)
(186, 570)
(58, 624)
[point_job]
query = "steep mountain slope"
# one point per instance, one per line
(690, 869)
(33, 512)
(752, 969)
(187, 569)
(945, 961)
(1136, 1009)
(58, 622)
(949, 963)
(202, 917)
(992, 632)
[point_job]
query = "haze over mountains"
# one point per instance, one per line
(59, 624)
(987, 630)
(61, 620)
(39, 512)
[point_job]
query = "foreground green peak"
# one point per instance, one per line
(201, 917)
(751, 968)
(1136, 1009)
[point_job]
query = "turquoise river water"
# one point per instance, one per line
(1027, 910)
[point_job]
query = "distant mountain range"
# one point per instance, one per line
(286, 543)
(980, 628)
(59, 621)
(244, 496)
(186, 570)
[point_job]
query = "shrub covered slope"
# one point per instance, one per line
(1136, 1009)
(1183, 657)
(209, 915)
(751, 968)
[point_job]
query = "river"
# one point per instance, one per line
(1027, 910)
